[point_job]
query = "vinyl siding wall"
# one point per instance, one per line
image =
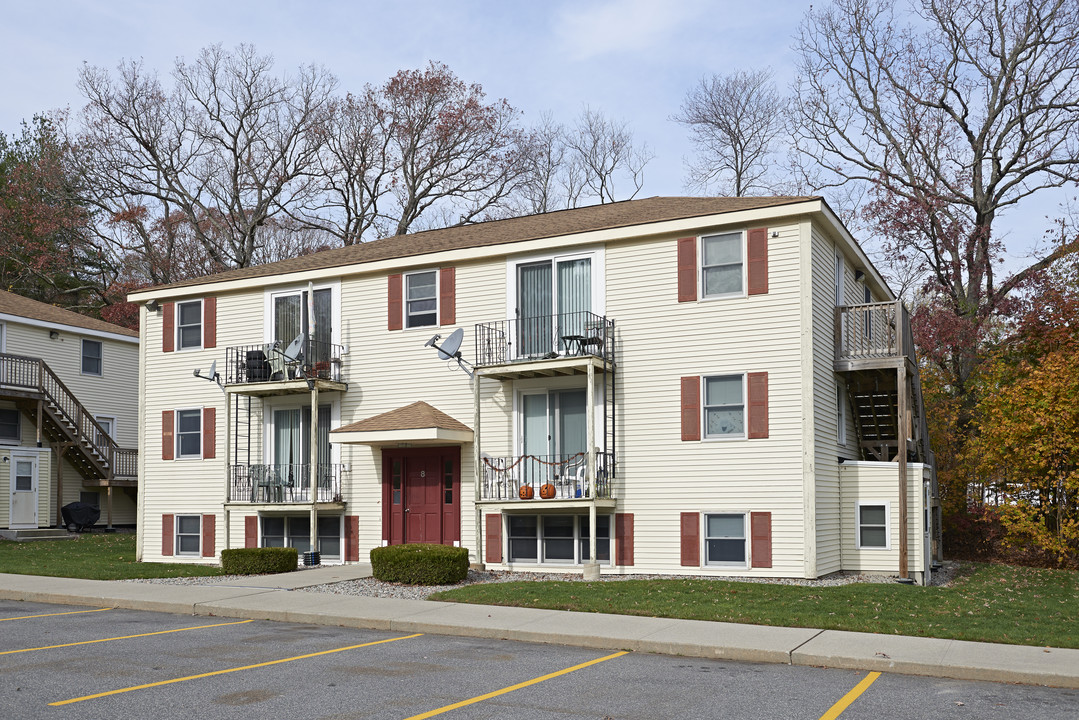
(875, 483)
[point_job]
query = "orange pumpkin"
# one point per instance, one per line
(526, 492)
(547, 491)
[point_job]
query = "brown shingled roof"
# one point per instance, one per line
(497, 232)
(12, 304)
(417, 416)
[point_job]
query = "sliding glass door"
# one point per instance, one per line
(552, 296)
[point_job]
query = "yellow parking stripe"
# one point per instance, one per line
(73, 612)
(837, 709)
(123, 637)
(230, 670)
(511, 688)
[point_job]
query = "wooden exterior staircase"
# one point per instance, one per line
(66, 425)
(874, 351)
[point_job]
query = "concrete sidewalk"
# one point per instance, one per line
(274, 598)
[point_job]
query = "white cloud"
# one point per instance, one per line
(621, 26)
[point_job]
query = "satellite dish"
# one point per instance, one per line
(213, 375)
(295, 349)
(451, 347)
(213, 370)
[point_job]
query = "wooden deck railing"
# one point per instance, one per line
(35, 375)
(873, 331)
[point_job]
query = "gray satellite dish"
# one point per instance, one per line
(212, 376)
(452, 346)
(294, 350)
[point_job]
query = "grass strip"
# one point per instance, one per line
(988, 603)
(90, 556)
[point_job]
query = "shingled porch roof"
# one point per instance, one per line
(415, 424)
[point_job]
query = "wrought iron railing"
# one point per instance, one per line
(94, 441)
(284, 483)
(524, 477)
(873, 330)
(279, 361)
(575, 334)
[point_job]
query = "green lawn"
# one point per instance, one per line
(97, 557)
(993, 603)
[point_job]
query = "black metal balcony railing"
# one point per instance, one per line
(284, 483)
(523, 477)
(272, 362)
(576, 334)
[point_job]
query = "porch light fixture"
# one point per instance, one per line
(858, 275)
(53, 334)
(153, 306)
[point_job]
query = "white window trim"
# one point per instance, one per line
(577, 537)
(202, 325)
(745, 407)
(703, 520)
(335, 307)
(17, 440)
(840, 281)
(841, 413)
(82, 357)
(3, 337)
(599, 275)
(887, 505)
(438, 298)
(176, 433)
(700, 267)
(176, 536)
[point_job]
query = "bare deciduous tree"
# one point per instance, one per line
(227, 147)
(602, 151)
(953, 118)
(734, 121)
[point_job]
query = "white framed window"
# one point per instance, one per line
(873, 526)
(189, 325)
(108, 425)
(841, 414)
(91, 357)
(188, 534)
(724, 406)
(725, 540)
(189, 433)
(557, 539)
(9, 425)
(839, 280)
(295, 531)
(421, 299)
(722, 265)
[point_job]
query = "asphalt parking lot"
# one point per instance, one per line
(66, 661)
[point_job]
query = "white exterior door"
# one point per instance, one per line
(24, 490)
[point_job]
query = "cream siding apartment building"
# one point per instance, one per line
(712, 386)
(68, 415)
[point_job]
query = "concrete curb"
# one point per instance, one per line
(932, 657)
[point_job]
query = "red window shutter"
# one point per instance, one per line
(758, 404)
(761, 537)
(394, 306)
(447, 296)
(623, 538)
(168, 327)
(493, 540)
(757, 256)
(691, 408)
(209, 322)
(209, 433)
(251, 531)
(209, 535)
(168, 442)
(168, 537)
(687, 269)
(352, 538)
(691, 539)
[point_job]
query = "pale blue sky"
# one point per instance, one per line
(634, 59)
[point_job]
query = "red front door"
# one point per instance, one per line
(421, 496)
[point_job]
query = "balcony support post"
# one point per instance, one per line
(477, 469)
(901, 438)
(312, 475)
(591, 568)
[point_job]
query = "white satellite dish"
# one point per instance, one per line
(294, 350)
(451, 348)
(213, 375)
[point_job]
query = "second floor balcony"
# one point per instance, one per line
(572, 336)
(872, 335)
(279, 368)
(526, 478)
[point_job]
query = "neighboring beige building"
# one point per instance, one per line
(68, 415)
(700, 385)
